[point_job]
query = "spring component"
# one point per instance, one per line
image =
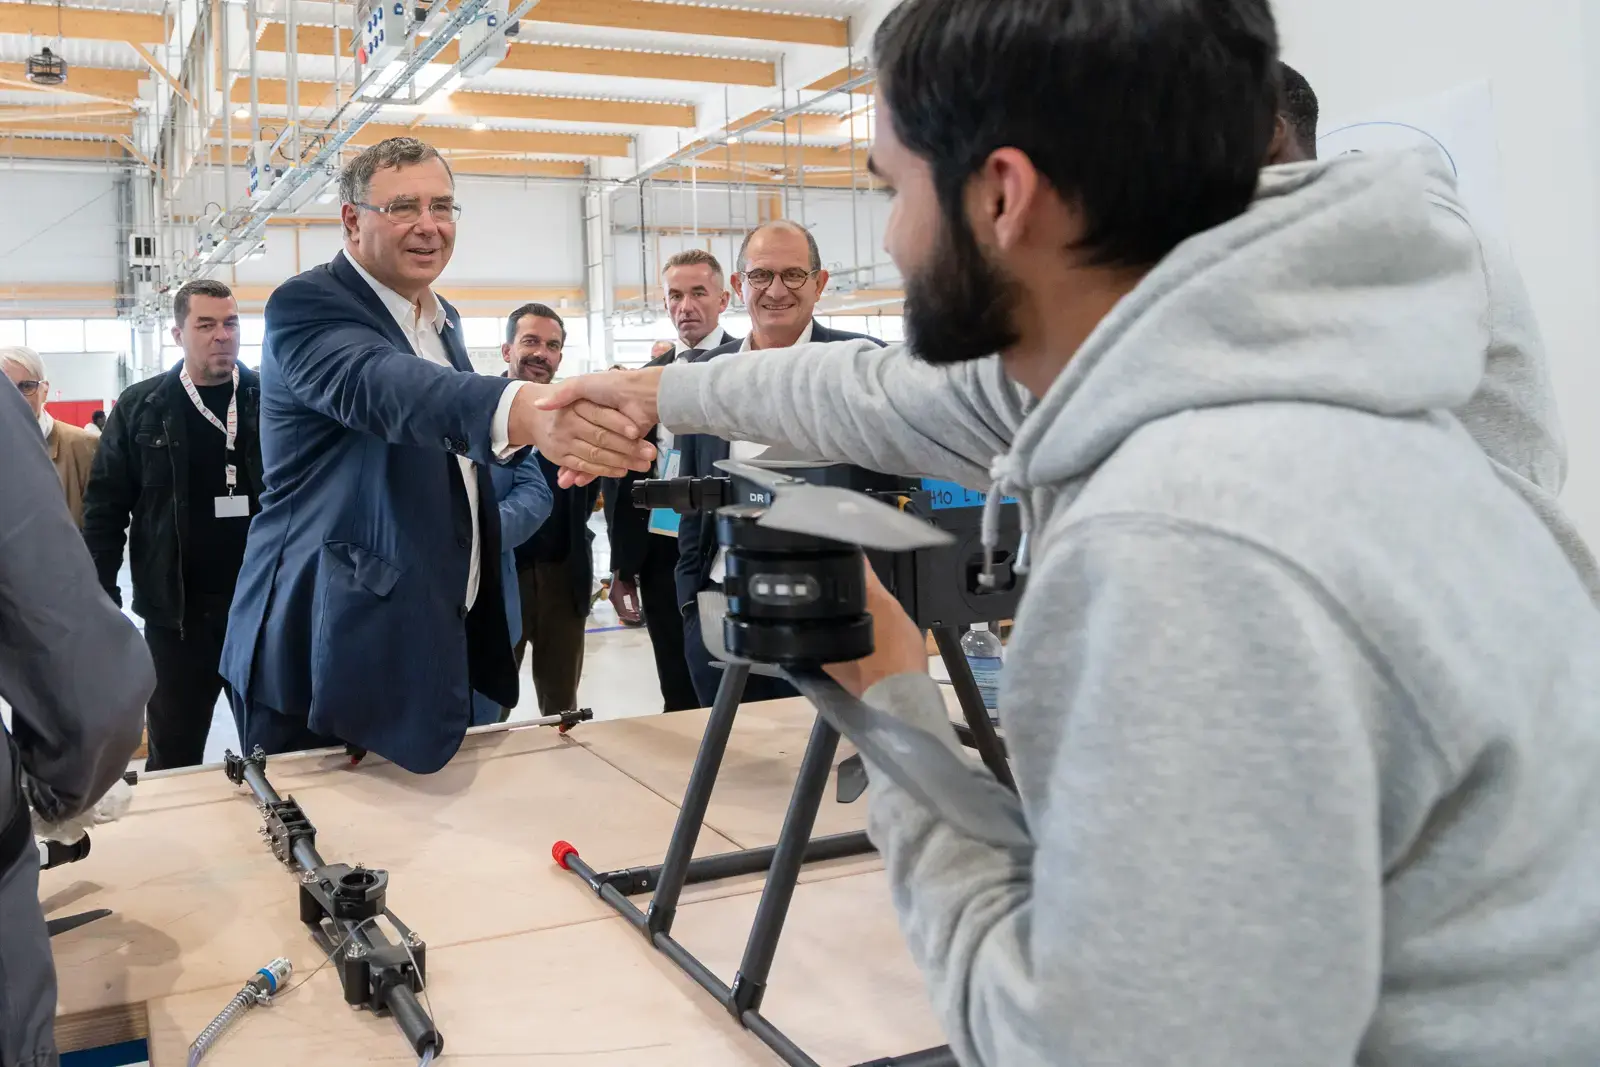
(258, 990)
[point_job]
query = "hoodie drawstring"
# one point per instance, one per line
(1001, 487)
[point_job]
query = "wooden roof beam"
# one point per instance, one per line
(565, 59)
(68, 20)
(490, 106)
(118, 85)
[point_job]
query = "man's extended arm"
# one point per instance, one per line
(108, 500)
(352, 374)
(852, 402)
(72, 667)
(844, 401)
(1166, 911)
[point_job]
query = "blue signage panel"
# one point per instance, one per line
(951, 495)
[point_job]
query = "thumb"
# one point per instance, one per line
(559, 396)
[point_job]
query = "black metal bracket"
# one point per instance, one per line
(569, 719)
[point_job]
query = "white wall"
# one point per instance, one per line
(1542, 58)
(83, 375)
(510, 231)
(61, 227)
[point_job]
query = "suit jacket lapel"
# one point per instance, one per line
(341, 268)
(454, 346)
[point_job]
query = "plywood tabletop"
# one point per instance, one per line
(526, 965)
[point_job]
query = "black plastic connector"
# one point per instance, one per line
(286, 826)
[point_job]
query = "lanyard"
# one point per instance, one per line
(231, 430)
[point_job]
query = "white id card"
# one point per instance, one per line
(233, 507)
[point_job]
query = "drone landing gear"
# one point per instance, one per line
(782, 861)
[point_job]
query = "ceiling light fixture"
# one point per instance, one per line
(479, 125)
(241, 113)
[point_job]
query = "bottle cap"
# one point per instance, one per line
(981, 627)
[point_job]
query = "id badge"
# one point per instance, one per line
(233, 507)
(664, 521)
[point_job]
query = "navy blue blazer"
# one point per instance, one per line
(349, 613)
(698, 456)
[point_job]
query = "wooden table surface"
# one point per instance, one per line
(526, 966)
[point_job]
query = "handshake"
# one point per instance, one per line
(592, 426)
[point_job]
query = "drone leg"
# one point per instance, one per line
(985, 740)
(750, 983)
(675, 865)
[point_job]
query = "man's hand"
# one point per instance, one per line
(629, 395)
(899, 644)
(625, 599)
(591, 440)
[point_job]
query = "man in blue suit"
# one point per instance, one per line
(369, 607)
(780, 279)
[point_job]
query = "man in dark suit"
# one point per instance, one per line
(555, 567)
(369, 606)
(780, 280)
(644, 554)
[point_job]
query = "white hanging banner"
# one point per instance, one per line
(1458, 123)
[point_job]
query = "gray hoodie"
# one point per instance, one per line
(1303, 702)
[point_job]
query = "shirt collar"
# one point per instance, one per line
(804, 339)
(403, 310)
(47, 423)
(711, 340)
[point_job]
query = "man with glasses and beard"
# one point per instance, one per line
(1301, 699)
(555, 567)
(369, 607)
(780, 279)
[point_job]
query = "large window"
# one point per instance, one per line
(56, 335)
(107, 335)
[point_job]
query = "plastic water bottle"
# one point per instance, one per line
(984, 652)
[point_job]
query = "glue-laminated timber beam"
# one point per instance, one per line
(656, 17)
(789, 156)
(118, 85)
(498, 142)
(166, 75)
(55, 115)
(68, 20)
(274, 92)
(474, 165)
(567, 59)
(684, 18)
(12, 147)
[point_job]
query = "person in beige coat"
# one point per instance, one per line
(71, 448)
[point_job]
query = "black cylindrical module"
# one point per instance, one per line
(792, 598)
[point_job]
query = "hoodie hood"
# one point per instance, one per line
(1344, 283)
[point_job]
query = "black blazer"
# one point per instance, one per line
(576, 505)
(697, 534)
(628, 527)
(138, 490)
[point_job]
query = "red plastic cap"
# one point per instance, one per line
(561, 850)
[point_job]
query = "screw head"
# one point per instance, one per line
(308, 877)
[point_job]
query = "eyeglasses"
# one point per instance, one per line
(28, 388)
(793, 277)
(408, 209)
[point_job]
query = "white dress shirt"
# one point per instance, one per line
(744, 451)
(424, 326)
(47, 422)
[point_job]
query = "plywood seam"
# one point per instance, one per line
(677, 803)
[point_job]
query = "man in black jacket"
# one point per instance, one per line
(780, 280)
(76, 676)
(180, 458)
(555, 567)
(644, 551)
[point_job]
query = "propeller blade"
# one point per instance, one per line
(845, 515)
(962, 794)
(770, 480)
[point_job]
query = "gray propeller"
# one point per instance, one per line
(964, 795)
(836, 513)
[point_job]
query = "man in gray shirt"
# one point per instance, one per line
(76, 675)
(1303, 701)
